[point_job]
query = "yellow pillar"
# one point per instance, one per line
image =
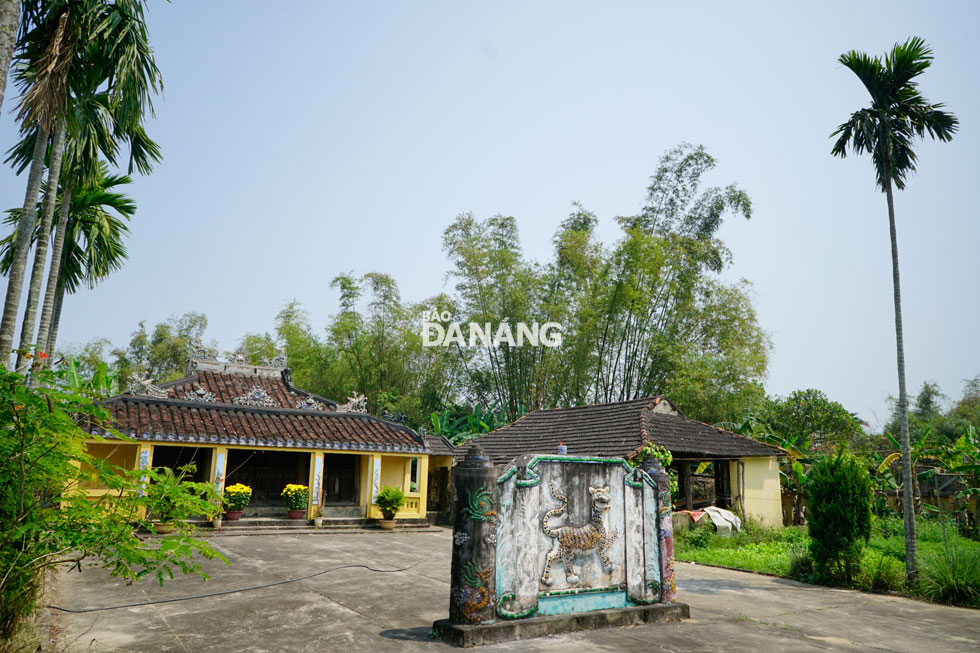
(423, 484)
(406, 475)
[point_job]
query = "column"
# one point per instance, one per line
(316, 482)
(472, 596)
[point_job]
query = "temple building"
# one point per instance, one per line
(243, 423)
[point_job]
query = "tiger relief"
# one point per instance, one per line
(572, 540)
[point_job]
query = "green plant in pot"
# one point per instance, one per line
(173, 497)
(389, 501)
(296, 498)
(235, 500)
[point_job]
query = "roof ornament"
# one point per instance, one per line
(201, 395)
(256, 397)
(238, 356)
(141, 384)
(279, 360)
(200, 352)
(310, 403)
(356, 403)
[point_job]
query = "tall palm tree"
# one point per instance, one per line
(9, 19)
(898, 114)
(92, 239)
(68, 49)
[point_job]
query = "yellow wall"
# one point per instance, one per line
(395, 470)
(119, 454)
(762, 492)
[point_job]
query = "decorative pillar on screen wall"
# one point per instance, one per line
(665, 526)
(472, 596)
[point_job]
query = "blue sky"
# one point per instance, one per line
(305, 139)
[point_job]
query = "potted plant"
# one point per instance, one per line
(389, 501)
(318, 517)
(297, 498)
(236, 498)
(172, 498)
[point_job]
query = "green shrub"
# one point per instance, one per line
(389, 501)
(840, 494)
(800, 562)
(951, 576)
(700, 536)
(881, 572)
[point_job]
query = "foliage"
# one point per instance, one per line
(461, 424)
(952, 576)
(296, 497)
(840, 515)
(880, 572)
(646, 316)
(389, 501)
(46, 520)
(664, 456)
(163, 352)
(236, 497)
(898, 114)
(173, 497)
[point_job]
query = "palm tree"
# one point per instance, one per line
(9, 19)
(70, 49)
(92, 239)
(897, 115)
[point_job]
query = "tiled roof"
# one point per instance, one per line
(439, 445)
(166, 420)
(228, 387)
(202, 408)
(616, 429)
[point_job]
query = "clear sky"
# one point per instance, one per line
(305, 139)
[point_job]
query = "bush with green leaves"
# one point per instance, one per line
(839, 517)
(389, 501)
(46, 519)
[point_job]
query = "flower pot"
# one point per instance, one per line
(233, 515)
(387, 524)
(216, 522)
(297, 514)
(318, 522)
(163, 529)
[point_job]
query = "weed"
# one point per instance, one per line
(952, 576)
(881, 572)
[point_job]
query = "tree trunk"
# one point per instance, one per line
(54, 276)
(9, 20)
(22, 244)
(43, 240)
(908, 508)
(56, 316)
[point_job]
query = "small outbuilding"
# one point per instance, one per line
(714, 466)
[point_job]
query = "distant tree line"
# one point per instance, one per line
(645, 315)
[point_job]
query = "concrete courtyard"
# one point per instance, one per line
(360, 610)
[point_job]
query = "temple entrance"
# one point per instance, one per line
(267, 473)
(340, 479)
(177, 456)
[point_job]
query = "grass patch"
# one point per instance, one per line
(946, 576)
